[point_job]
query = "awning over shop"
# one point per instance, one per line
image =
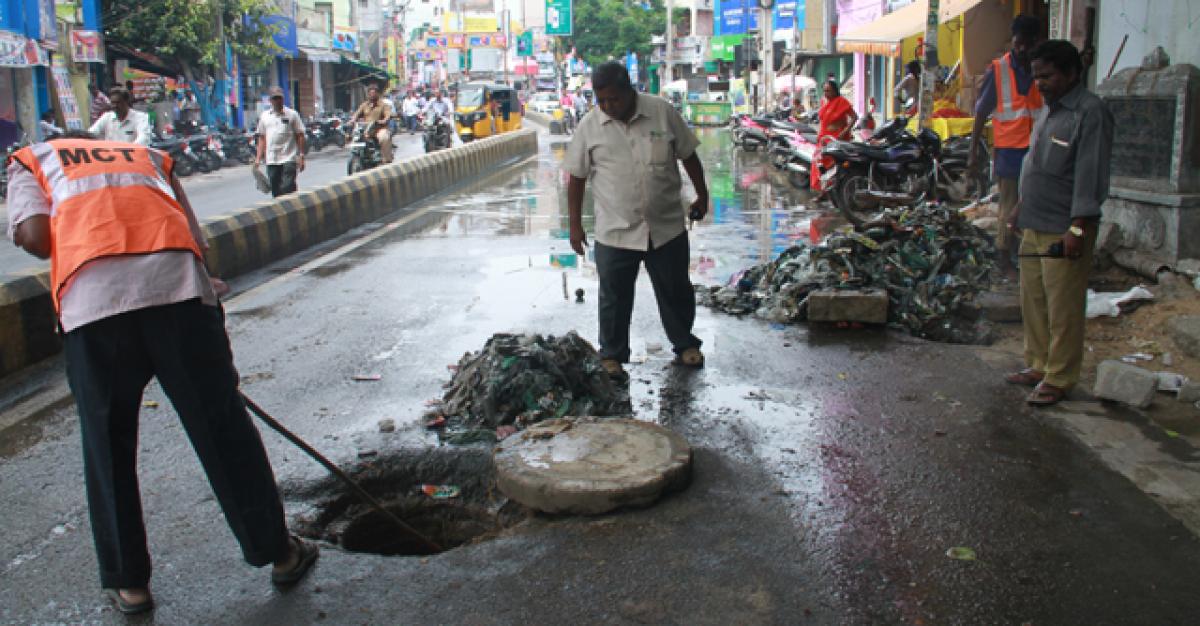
(320, 56)
(883, 36)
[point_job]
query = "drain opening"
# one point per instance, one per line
(447, 525)
(470, 509)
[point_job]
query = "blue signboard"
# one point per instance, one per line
(285, 33)
(8, 16)
(736, 15)
(631, 64)
(788, 12)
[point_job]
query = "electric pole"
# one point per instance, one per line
(929, 76)
(670, 45)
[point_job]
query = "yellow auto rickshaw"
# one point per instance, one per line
(486, 109)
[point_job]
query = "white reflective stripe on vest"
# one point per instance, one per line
(71, 188)
(1004, 103)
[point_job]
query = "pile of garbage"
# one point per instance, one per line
(518, 380)
(929, 258)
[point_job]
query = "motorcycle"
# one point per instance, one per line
(238, 145)
(180, 151)
(437, 132)
(896, 168)
(331, 131)
(364, 148)
(314, 137)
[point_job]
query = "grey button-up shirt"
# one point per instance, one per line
(1066, 172)
(634, 172)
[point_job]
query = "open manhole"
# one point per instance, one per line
(475, 512)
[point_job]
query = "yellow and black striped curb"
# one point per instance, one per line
(271, 230)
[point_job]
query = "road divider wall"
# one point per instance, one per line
(271, 230)
(555, 126)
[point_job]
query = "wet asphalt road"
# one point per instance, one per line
(833, 469)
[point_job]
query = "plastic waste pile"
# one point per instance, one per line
(518, 380)
(930, 259)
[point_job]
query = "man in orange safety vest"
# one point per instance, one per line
(1009, 95)
(134, 302)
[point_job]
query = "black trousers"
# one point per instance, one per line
(283, 178)
(668, 269)
(184, 345)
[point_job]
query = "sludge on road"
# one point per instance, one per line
(834, 471)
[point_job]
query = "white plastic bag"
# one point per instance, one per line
(260, 179)
(1109, 303)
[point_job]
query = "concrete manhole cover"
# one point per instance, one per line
(589, 466)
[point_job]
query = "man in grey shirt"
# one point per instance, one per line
(629, 152)
(1063, 183)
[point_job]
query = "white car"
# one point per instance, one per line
(545, 103)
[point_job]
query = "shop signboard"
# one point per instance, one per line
(525, 44)
(486, 41)
(85, 47)
(285, 35)
(47, 24)
(13, 50)
(67, 104)
(558, 17)
(788, 13)
(737, 16)
(345, 39)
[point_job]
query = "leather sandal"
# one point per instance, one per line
(614, 370)
(127, 607)
(308, 555)
(1027, 377)
(1046, 395)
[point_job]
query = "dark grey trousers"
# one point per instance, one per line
(668, 269)
(184, 345)
(283, 179)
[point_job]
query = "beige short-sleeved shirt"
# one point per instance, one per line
(280, 129)
(634, 172)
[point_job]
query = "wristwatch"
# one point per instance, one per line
(1075, 230)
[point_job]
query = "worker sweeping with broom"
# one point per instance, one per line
(134, 301)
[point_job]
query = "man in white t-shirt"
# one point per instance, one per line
(280, 139)
(122, 123)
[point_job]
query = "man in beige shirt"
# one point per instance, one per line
(376, 110)
(628, 151)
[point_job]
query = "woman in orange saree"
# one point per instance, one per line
(837, 120)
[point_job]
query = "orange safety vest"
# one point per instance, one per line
(1012, 121)
(108, 198)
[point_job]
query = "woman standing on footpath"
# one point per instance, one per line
(837, 119)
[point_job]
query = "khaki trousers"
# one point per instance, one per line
(1053, 307)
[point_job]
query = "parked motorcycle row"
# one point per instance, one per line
(887, 167)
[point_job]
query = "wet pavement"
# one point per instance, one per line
(833, 470)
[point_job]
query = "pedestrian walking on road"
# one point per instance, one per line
(134, 302)
(627, 150)
(1011, 97)
(280, 141)
(411, 108)
(1064, 180)
(377, 111)
(122, 123)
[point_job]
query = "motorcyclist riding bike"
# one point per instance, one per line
(377, 110)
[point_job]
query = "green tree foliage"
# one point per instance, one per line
(611, 28)
(184, 33)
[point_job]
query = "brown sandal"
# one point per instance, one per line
(1046, 395)
(1027, 377)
